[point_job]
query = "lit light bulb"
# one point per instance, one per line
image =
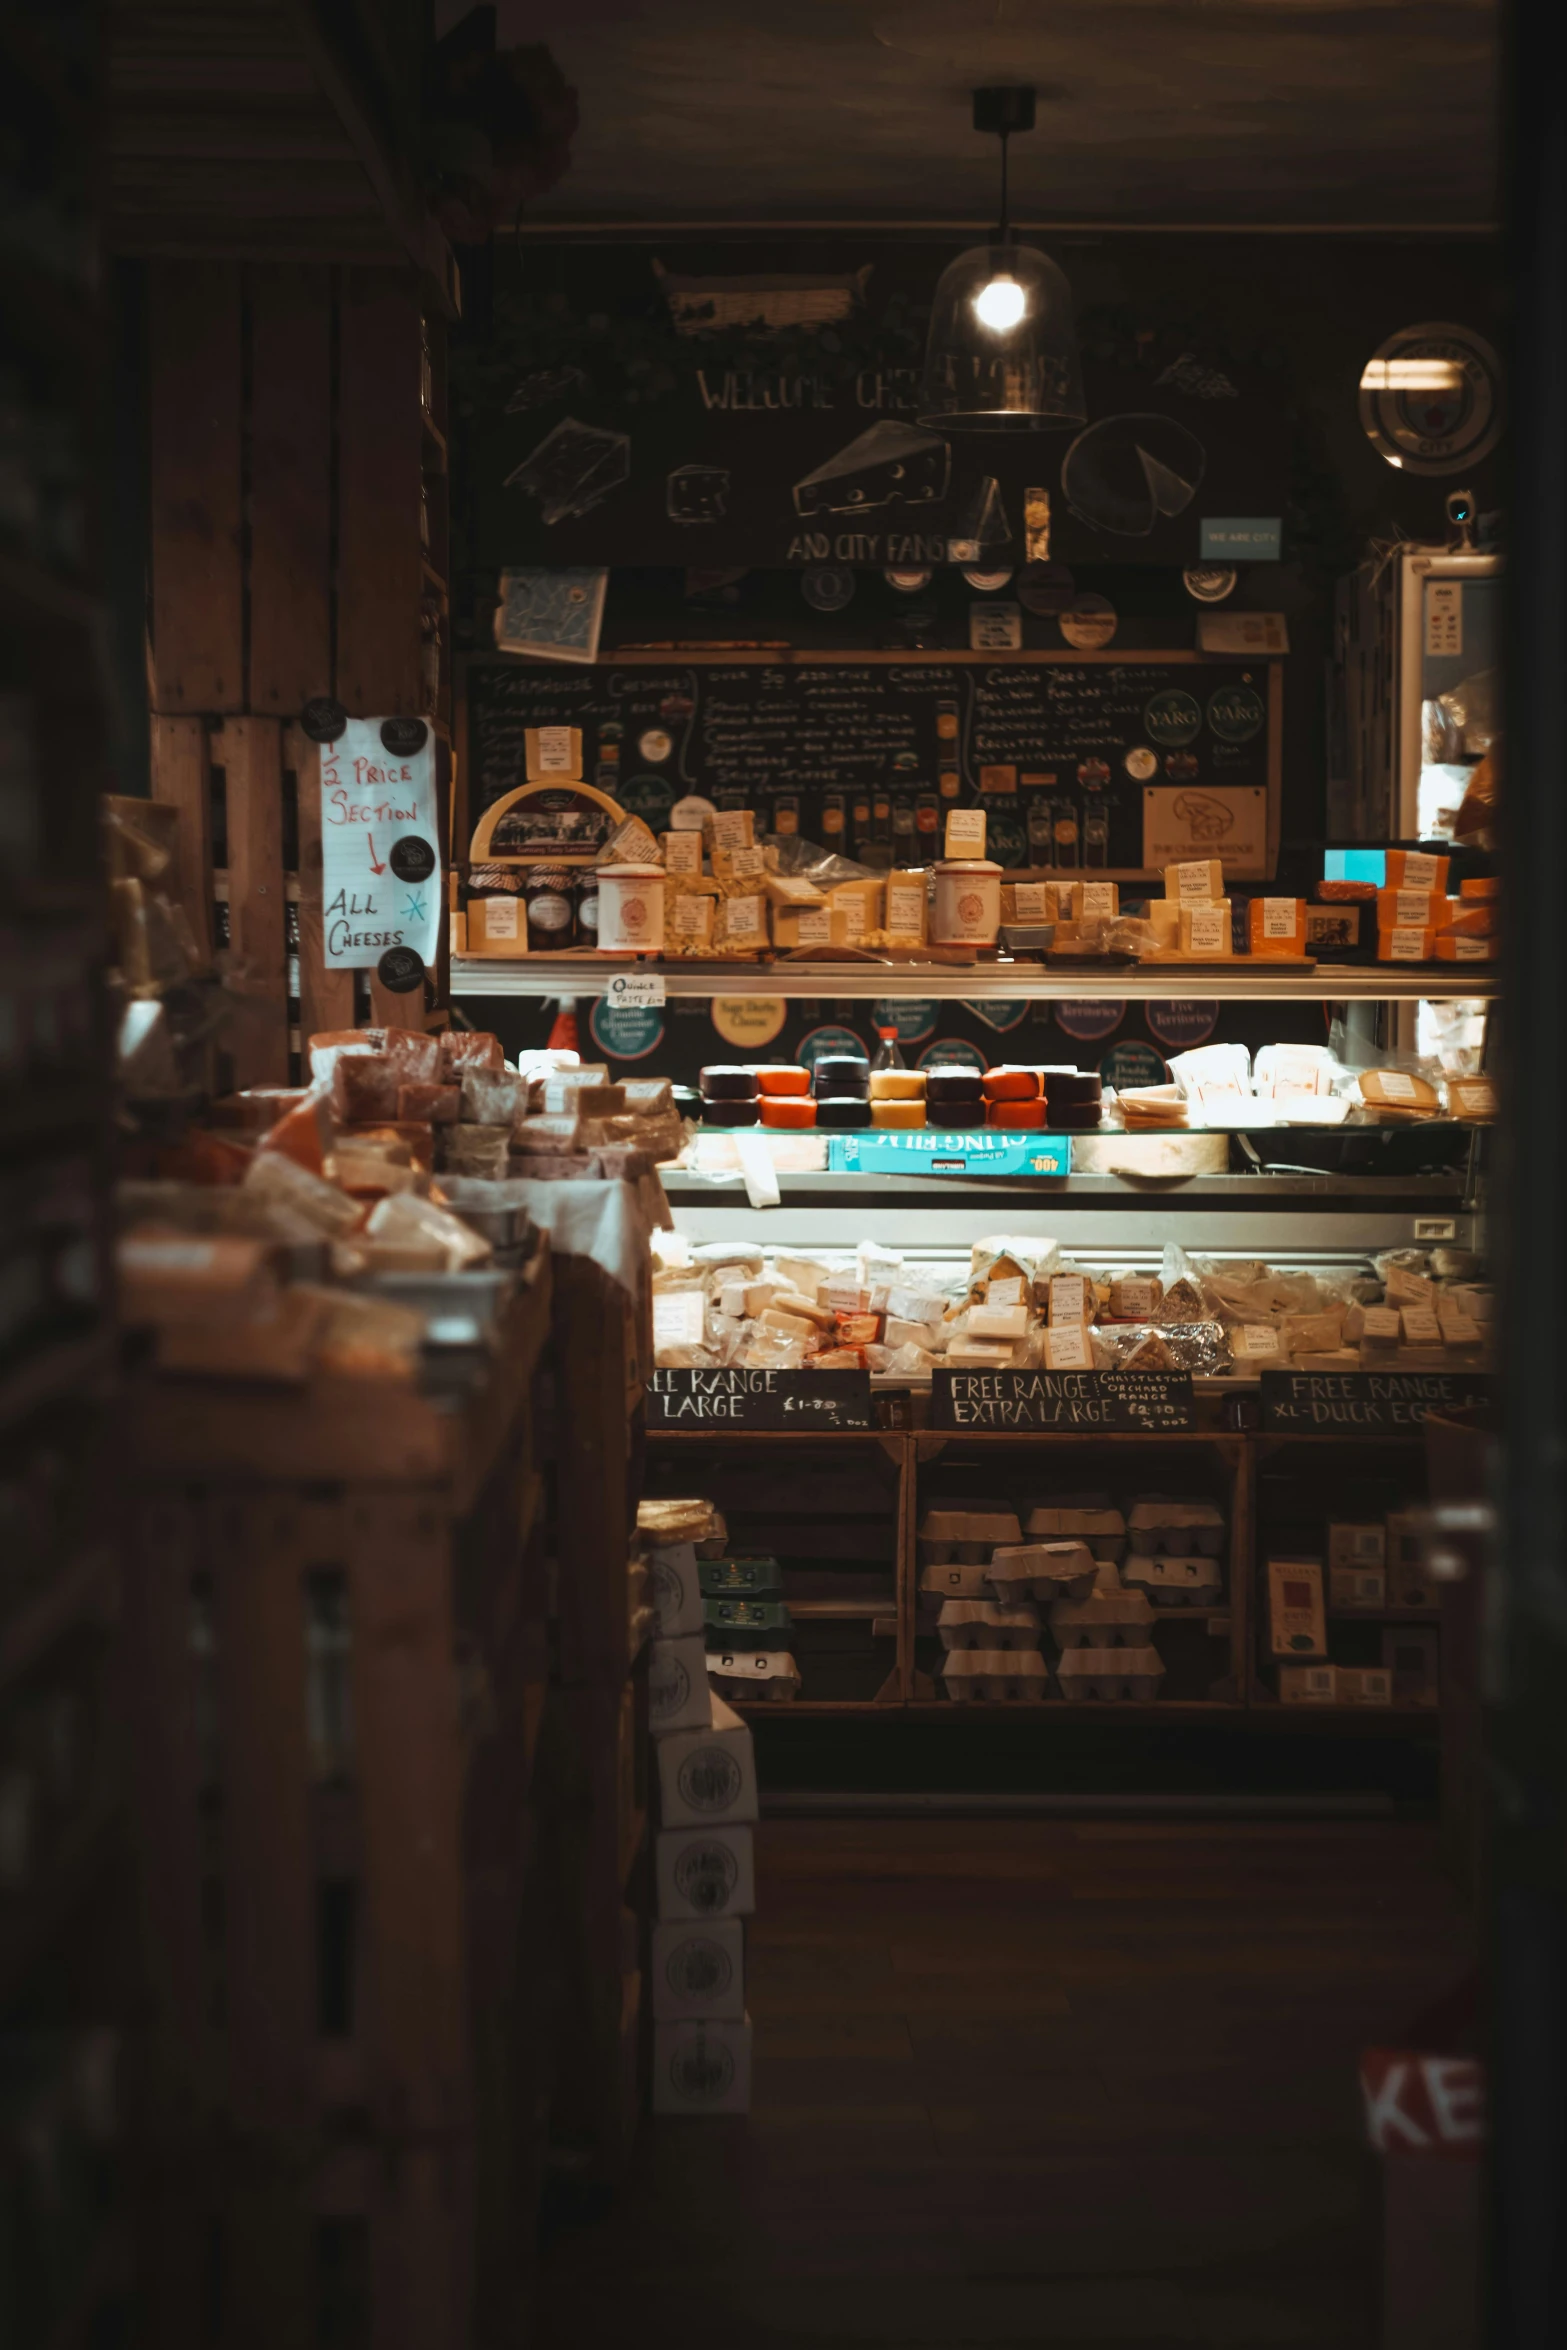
(1000, 305)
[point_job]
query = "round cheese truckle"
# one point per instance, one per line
(728, 1113)
(783, 1077)
(956, 1090)
(843, 1117)
(1019, 1114)
(779, 1109)
(842, 1077)
(1010, 1085)
(897, 1114)
(725, 1081)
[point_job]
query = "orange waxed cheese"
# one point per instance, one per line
(1010, 1085)
(1018, 1113)
(898, 1114)
(787, 1109)
(785, 1079)
(1276, 926)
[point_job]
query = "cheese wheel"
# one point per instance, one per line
(884, 1113)
(787, 1110)
(841, 1077)
(726, 1082)
(1018, 1114)
(728, 1113)
(788, 1077)
(1010, 1085)
(841, 1116)
(1073, 1089)
(954, 1089)
(897, 1085)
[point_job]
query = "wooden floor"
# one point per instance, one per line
(1037, 2081)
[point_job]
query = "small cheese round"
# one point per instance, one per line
(727, 1082)
(1017, 1114)
(897, 1085)
(897, 1113)
(787, 1110)
(785, 1077)
(1010, 1085)
(843, 1116)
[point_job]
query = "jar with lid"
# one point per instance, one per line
(587, 907)
(546, 896)
(833, 834)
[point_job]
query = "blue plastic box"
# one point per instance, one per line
(968, 1150)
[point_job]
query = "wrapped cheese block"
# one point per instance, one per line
(1276, 926)
(787, 1110)
(1398, 1089)
(897, 1114)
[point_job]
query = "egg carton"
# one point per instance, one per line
(1160, 1521)
(971, 1623)
(964, 1537)
(1001, 1676)
(1105, 1620)
(1041, 1570)
(956, 1582)
(1079, 1519)
(1113, 1675)
(1173, 1581)
(752, 1673)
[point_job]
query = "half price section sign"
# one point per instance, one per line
(380, 854)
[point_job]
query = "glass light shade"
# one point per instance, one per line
(1002, 353)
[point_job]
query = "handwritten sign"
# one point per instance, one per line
(1140, 1403)
(798, 1402)
(380, 853)
(635, 991)
(1366, 1403)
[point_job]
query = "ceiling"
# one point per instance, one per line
(1235, 112)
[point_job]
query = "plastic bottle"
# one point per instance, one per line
(887, 1055)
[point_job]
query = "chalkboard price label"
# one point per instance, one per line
(1137, 1403)
(1365, 1403)
(800, 1403)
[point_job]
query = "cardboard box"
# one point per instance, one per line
(1357, 1587)
(675, 1590)
(702, 2067)
(1410, 1655)
(707, 1776)
(1357, 1542)
(678, 1694)
(1308, 1684)
(1297, 1623)
(969, 1150)
(1125, 1675)
(705, 1872)
(1365, 1685)
(699, 1971)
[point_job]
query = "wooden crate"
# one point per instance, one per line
(292, 448)
(834, 1509)
(336, 1659)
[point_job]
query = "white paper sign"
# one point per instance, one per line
(1444, 618)
(381, 877)
(635, 991)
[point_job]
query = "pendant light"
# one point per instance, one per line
(1002, 353)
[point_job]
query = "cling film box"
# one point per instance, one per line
(967, 1150)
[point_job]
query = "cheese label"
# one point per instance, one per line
(1420, 873)
(847, 1299)
(682, 852)
(915, 1305)
(743, 920)
(1208, 931)
(1069, 1298)
(1097, 900)
(500, 917)
(1379, 1322)
(678, 1318)
(815, 927)
(1194, 883)
(1411, 908)
(1258, 1340)
(965, 832)
(1397, 1085)
(692, 917)
(1421, 1327)
(1137, 1299)
(1067, 1349)
(1459, 1330)
(732, 828)
(1031, 901)
(1405, 946)
(1279, 917)
(1004, 1293)
(1471, 1097)
(853, 912)
(553, 751)
(1469, 950)
(747, 864)
(906, 908)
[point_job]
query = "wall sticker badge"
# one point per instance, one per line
(1431, 398)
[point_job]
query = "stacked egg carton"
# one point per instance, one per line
(990, 1644)
(704, 1862)
(1103, 1629)
(750, 1632)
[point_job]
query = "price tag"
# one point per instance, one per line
(635, 991)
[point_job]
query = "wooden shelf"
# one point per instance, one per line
(1239, 982)
(840, 1611)
(82, 1589)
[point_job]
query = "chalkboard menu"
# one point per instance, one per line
(1139, 1403)
(802, 1403)
(1366, 1403)
(1006, 733)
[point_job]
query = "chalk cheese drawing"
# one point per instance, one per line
(890, 464)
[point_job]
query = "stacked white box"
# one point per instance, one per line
(705, 1884)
